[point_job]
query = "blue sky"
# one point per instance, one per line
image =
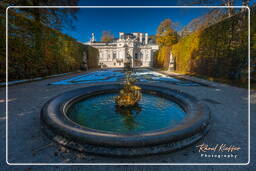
(127, 19)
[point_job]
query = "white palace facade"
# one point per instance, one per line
(134, 46)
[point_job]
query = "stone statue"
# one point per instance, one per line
(92, 38)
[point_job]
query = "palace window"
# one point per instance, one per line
(136, 56)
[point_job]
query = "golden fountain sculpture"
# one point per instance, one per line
(130, 94)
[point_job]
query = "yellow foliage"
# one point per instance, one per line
(183, 51)
(36, 50)
(165, 38)
(219, 51)
(163, 57)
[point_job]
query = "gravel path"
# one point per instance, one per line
(27, 143)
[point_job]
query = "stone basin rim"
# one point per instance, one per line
(55, 120)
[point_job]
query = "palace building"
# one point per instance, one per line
(136, 47)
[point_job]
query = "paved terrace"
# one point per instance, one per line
(28, 144)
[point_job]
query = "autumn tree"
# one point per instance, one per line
(210, 18)
(213, 15)
(166, 36)
(229, 11)
(107, 36)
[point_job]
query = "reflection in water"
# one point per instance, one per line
(129, 114)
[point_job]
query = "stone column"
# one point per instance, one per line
(141, 37)
(146, 38)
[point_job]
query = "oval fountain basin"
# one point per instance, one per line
(101, 113)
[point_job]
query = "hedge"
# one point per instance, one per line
(37, 51)
(219, 51)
